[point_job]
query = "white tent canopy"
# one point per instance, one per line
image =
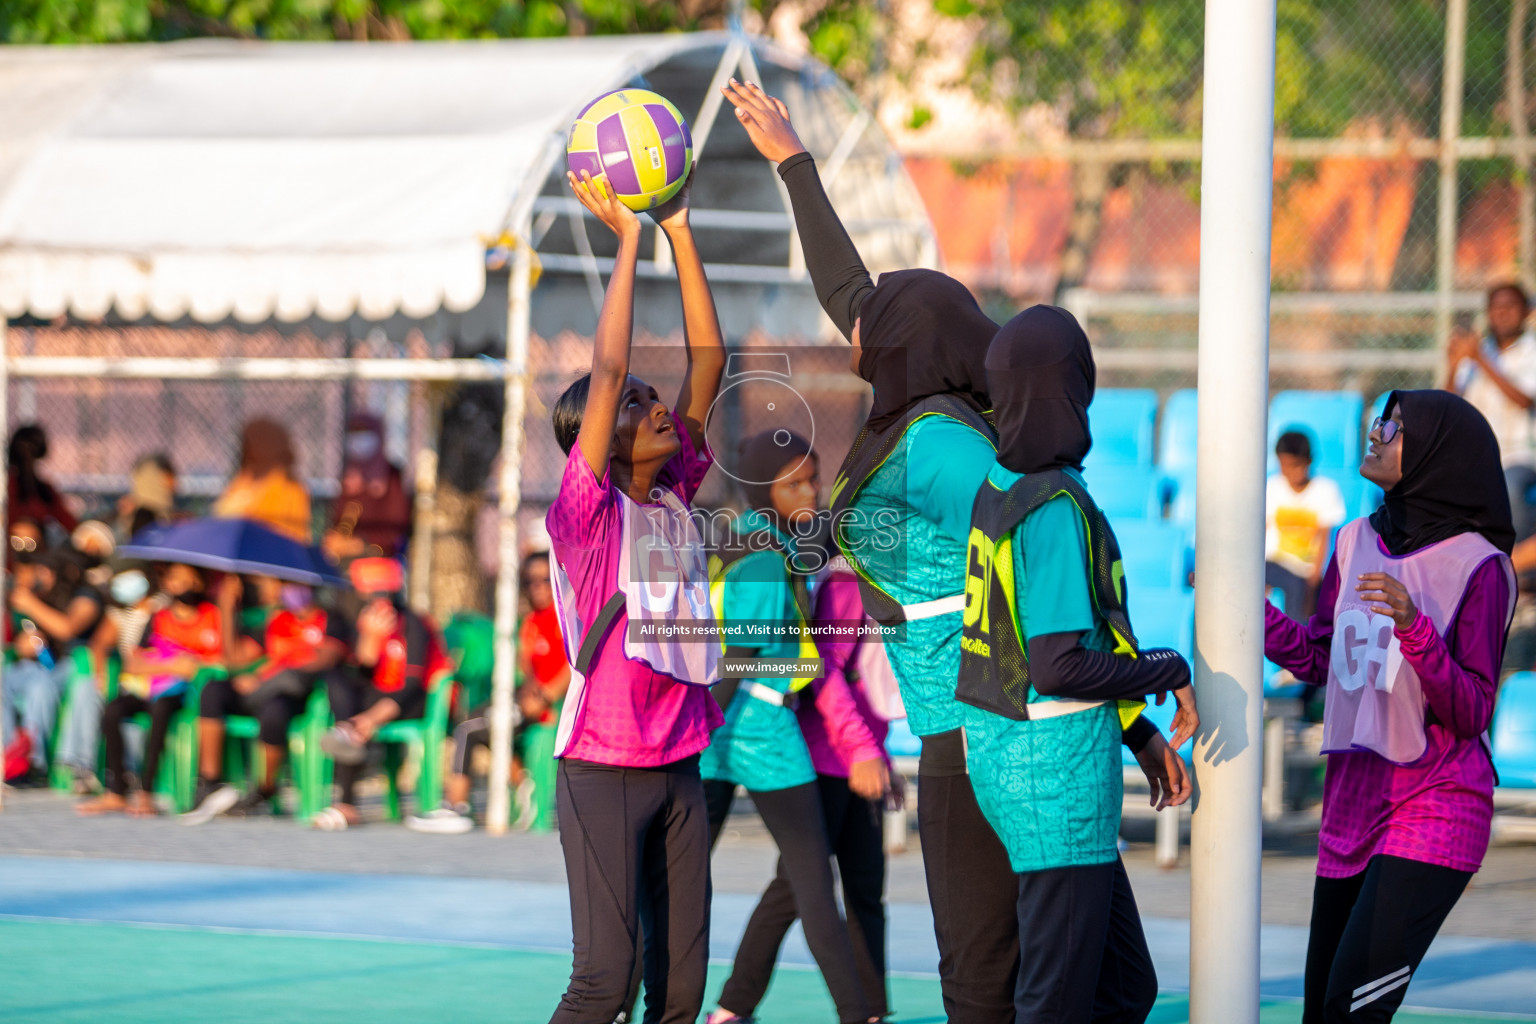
(221, 180)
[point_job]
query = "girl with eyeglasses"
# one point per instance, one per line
(1408, 637)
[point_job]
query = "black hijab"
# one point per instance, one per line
(1453, 481)
(1040, 375)
(922, 334)
(765, 458)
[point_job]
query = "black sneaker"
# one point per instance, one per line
(254, 804)
(33, 778)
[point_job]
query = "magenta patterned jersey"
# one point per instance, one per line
(840, 727)
(632, 716)
(1438, 809)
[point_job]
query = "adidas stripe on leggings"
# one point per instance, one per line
(1369, 933)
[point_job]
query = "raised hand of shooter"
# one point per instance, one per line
(602, 202)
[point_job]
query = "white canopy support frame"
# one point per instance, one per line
(261, 182)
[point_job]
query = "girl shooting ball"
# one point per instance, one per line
(638, 711)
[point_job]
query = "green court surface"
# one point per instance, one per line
(68, 972)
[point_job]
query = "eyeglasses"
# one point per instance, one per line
(1389, 429)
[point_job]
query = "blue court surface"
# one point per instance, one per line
(116, 940)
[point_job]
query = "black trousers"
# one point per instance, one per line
(1082, 956)
(637, 858)
(1297, 591)
(1369, 933)
(795, 817)
(350, 694)
(118, 710)
(274, 707)
(971, 886)
(854, 830)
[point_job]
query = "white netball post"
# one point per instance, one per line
(1236, 181)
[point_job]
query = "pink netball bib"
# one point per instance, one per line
(1374, 698)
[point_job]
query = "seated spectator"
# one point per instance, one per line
(181, 641)
(397, 658)
(371, 517)
(546, 675)
(1497, 374)
(56, 611)
(273, 671)
(151, 495)
(1301, 512)
(131, 603)
(95, 542)
(27, 544)
(265, 488)
(31, 495)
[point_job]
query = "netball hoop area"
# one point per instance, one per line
(131, 921)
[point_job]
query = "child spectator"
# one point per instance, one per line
(546, 675)
(181, 641)
(397, 658)
(1301, 512)
(265, 488)
(56, 612)
(274, 671)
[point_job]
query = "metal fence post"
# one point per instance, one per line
(1451, 89)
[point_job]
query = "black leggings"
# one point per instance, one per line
(794, 817)
(350, 694)
(117, 711)
(1369, 933)
(273, 712)
(854, 829)
(1083, 956)
(971, 886)
(637, 858)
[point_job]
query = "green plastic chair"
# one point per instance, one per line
(424, 739)
(59, 775)
(471, 642)
(306, 762)
(539, 760)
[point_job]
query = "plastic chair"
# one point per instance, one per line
(1178, 439)
(1514, 732)
(1154, 554)
(900, 741)
(1121, 420)
(1125, 492)
(1162, 618)
(424, 739)
(471, 641)
(60, 777)
(1331, 418)
(539, 760)
(306, 763)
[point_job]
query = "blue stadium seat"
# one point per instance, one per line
(1162, 618)
(900, 742)
(1154, 553)
(1124, 492)
(1331, 418)
(1121, 420)
(1514, 732)
(1177, 442)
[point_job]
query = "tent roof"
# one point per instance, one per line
(219, 179)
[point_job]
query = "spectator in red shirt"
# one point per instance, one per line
(546, 675)
(397, 659)
(181, 640)
(299, 643)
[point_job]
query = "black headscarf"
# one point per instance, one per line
(1040, 375)
(1453, 480)
(922, 334)
(764, 459)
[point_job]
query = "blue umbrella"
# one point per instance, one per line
(234, 545)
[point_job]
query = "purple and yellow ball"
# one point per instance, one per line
(638, 140)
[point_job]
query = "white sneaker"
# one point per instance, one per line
(445, 821)
(523, 801)
(213, 805)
